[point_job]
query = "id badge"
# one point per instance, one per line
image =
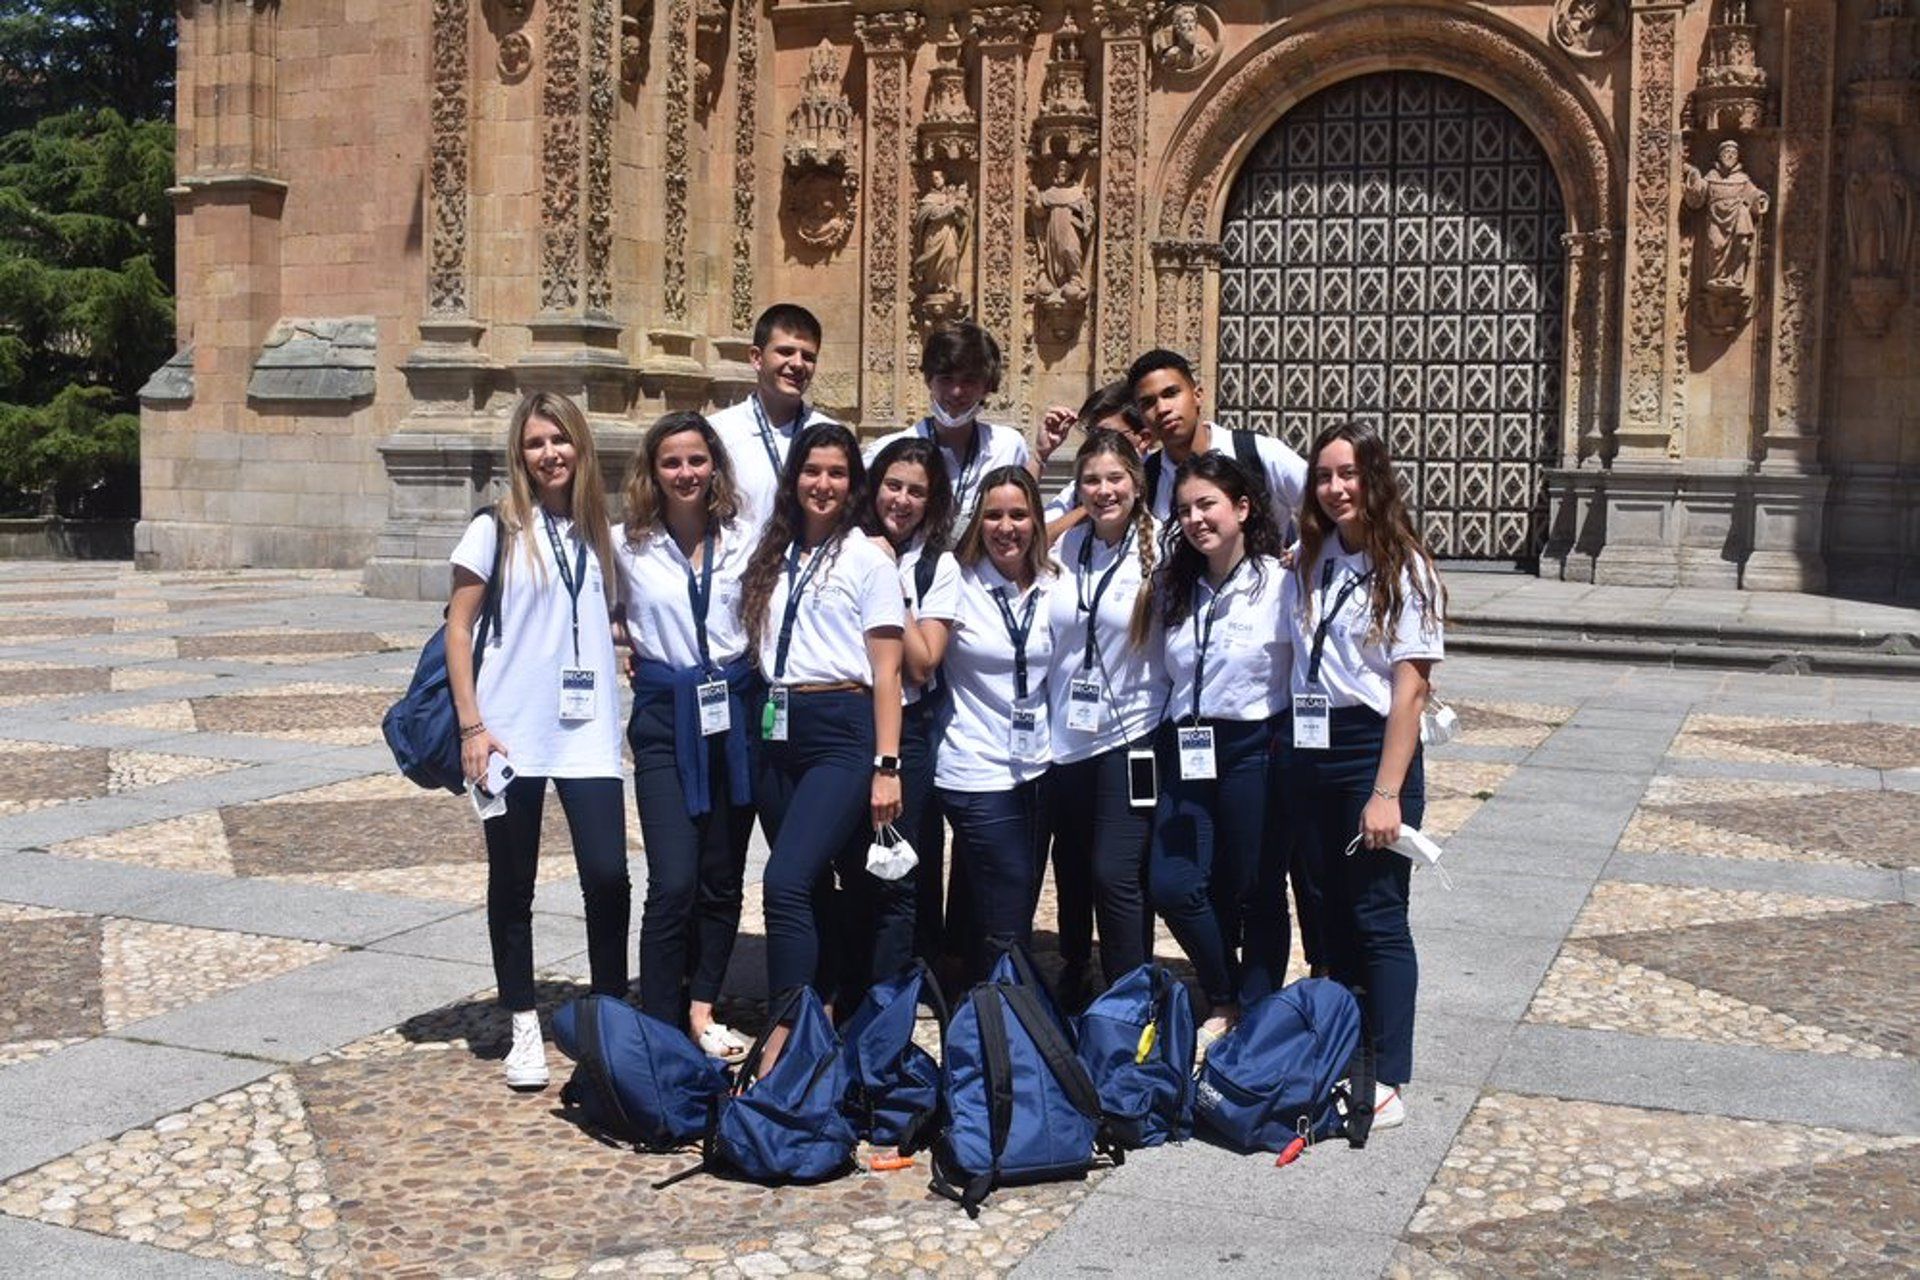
(1196, 753)
(577, 693)
(1024, 740)
(1312, 721)
(773, 721)
(716, 716)
(1083, 705)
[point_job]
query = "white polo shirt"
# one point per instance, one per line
(1286, 475)
(1247, 655)
(940, 604)
(1133, 679)
(658, 604)
(976, 744)
(519, 684)
(993, 446)
(757, 448)
(1355, 672)
(854, 591)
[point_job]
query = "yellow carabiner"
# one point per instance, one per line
(1148, 1036)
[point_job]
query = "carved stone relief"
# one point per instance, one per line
(515, 58)
(634, 15)
(1186, 39)
(1002, 33)
(1589, 28)
(822, 169)
(1879, 217)
(601, 95)
(1731, 96)
(1060, 213)
(560, 167)
(1123, 102)
(1806, 140)
(1651, 187)
(888, 38)
(948, 151)
(673, 285)
(447, 192)
(709, 51)
(1728, 207)
(746, 107)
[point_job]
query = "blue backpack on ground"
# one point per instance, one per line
(784, 1126)
(638, 1079)
(1272, 1079)
(422, 729)
(1137, 1041)
(1020, 1107)
(893, 1085)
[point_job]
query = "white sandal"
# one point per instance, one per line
(722, 1042)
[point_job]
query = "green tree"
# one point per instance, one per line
(58, 56)
(86, 249)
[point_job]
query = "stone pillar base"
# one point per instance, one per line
(1789, 518)
(1576, 523)
(1641, 522)
(435, 481)
(1713, 530)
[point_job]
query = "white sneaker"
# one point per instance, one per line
(527, 1059)
(1389, 1109)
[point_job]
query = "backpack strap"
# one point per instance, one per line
(706, 1161)
(1065, 1065)
(919, 1132)
(923, 571)
(1156, 462)
(779, 1010)
(996, 1062)
(1360, 1083)
(1246, 450)
(490, 599)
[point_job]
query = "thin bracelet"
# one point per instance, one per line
(472, 730)
(1385, 794)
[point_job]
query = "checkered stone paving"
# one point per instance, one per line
(1455, 791)
(39, 775)
(1784, 821)
(1865, 744)
(1812, 975)
(1541, 1186)
(1508, 724)
(328, 714)
(276, 645)
(70, 976)
(401, 1154)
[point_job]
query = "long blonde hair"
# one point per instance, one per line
(1387, 534)
(1106, 443)
(588, 492)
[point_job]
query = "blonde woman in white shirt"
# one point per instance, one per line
(1365, 607)
(995, 742)
(682, 552)
(1107, 690)
(544, 701)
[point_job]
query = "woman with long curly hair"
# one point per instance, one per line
(910, 517)
(822, 605)
(1105, 690)
(544, 704)
(1364, 607)
(1212, 873)
(681, 554)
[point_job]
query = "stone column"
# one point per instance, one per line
(1641, 491)
(1002, 34)
(1575, 486)
(1790, 486)
(732, 375)
(889, 40)
(1123, 135)
(1183, 271)
(576, 341)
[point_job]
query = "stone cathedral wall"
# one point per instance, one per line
(396, 218)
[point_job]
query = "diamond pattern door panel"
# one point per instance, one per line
(1392, 254)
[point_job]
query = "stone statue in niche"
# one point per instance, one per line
(1588, 28)
(1879, 215)
(1061, 215)
(1731, 205)
(942, 229)
(1186, 39)
(633, 39)
(822, 179)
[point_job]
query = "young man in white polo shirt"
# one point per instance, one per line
(758, 431)
(1168, 397)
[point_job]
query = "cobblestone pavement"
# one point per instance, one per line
(1669, 1017)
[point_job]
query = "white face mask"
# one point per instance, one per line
(951, 420)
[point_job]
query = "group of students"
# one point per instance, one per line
(1191, 677)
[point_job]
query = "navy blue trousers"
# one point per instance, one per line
(694, 869)
(1211, 872)
(999, 838)
(924, 825)
(1100, 861)
(597, 821)
(815, 797)
(1367, 942)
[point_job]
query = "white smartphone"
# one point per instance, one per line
(1143, 787)
(499, 774)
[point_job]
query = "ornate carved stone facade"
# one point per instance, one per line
(1718, 333)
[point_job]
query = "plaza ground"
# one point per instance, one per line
(1668, 1016)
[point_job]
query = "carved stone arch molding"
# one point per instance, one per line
(1296, 59)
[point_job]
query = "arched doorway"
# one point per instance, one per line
(1392, 252)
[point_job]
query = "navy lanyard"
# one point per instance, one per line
(765, 431)
(574, 579)
(1017, 632)
(699, 596)
(969, 470)
(1203, 640)
(1092, 609)
(1326, 614)
(794, 591)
